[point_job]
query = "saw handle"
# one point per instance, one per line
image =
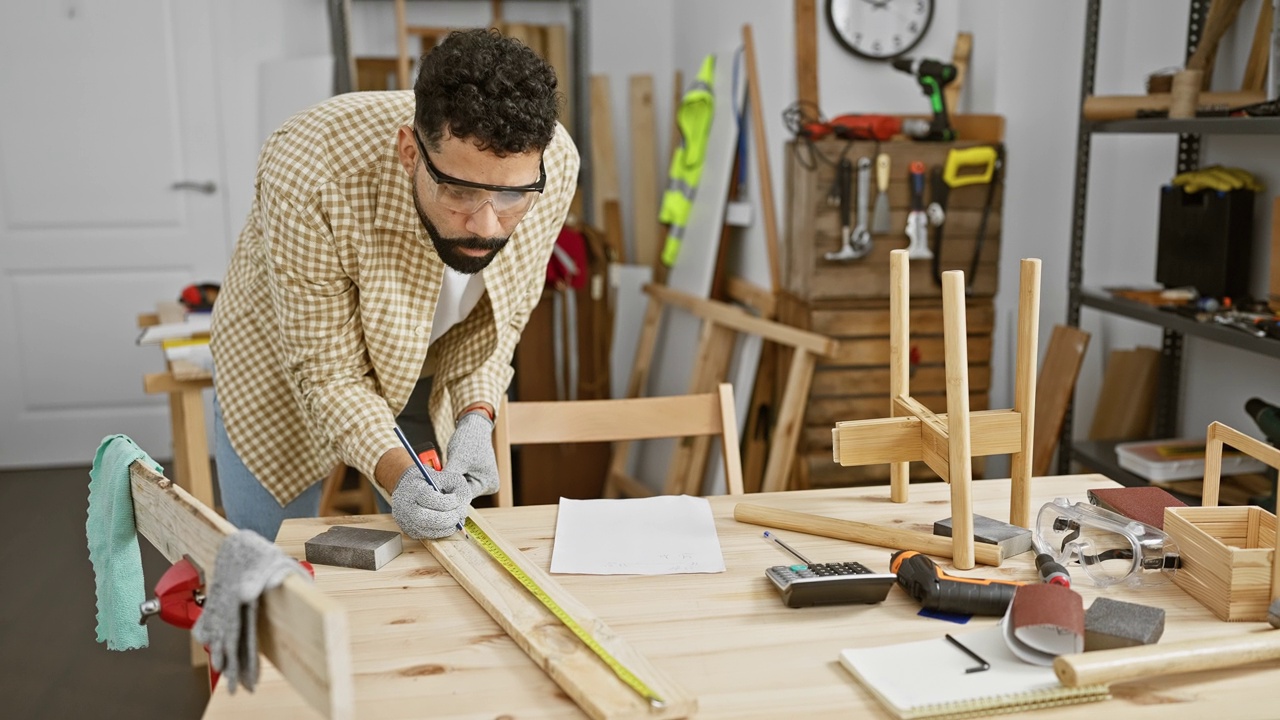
(916, 177)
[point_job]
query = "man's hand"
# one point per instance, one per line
(471, 452)
(426, 513)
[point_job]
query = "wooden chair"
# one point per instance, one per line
(681, 416)
(339, 496)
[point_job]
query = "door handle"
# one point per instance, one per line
(208, 187)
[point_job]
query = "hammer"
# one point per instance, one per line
(1104, 667)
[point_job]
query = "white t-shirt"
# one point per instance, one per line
(458, 297)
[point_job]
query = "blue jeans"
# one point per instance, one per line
(248, 504)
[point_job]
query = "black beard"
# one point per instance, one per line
(450, 249)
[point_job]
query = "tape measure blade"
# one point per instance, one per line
(585, 677)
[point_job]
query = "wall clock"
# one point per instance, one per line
(879, 29)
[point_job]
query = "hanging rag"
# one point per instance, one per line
(113, 543)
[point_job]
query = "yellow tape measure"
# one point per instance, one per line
(618, 668)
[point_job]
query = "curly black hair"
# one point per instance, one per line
(489, 88)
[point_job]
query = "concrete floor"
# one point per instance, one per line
(50, 664)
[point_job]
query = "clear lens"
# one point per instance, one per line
(467, 200)
(1109, 547)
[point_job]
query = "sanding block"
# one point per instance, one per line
(1115, 624)
(1144, 504)
(354, 547)
(1012, 539)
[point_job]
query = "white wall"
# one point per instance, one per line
(1026, 66)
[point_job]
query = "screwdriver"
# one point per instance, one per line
(1050, 570)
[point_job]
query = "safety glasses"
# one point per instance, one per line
(467, 197)
(1110, 547)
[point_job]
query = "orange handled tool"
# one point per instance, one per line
(936, 590)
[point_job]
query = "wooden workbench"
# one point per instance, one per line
(423, 648)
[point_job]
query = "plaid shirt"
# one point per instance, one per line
(322, 326)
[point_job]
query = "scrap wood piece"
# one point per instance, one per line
(302, 631)
(580, 673)
(959, 58)
(859, 532)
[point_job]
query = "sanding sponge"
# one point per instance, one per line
(1012, 539)
(354, 547)
(1115, 624)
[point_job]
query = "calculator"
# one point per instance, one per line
(838, 583)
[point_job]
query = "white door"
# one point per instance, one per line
(110, 200)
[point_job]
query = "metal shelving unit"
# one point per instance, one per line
(1097, 455)
(1220, 334)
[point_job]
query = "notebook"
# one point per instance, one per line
(927, 679)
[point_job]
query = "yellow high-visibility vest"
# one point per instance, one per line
(697, 108)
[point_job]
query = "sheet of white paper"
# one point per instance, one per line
(663, 535)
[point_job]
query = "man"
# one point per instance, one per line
(396, 242)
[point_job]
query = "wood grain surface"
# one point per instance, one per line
(422, 647)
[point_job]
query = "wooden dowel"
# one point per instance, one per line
(1024, 393)
(899, 358)
(1145, 661)
(959, 451)
(860, 532)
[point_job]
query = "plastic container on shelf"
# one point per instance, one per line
(1178, 459)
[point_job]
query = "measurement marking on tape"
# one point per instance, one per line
(523, 578)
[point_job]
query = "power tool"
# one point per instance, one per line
(861, 127)
(923, 580)
(933, 75)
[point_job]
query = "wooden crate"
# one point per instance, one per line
(855, 385)
(1230, 562)
(1226, 558)
(813, 225)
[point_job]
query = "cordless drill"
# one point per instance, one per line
(936, 590)
(933, 75)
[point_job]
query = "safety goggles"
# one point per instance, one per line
(467, 197)
(1111, 548)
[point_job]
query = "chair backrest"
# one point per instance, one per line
(580, 421)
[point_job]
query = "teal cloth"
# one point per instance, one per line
(113, 544)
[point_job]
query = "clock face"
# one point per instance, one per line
(879, 29)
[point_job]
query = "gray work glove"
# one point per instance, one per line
(471, 453)
(422, 512)
(247, 566)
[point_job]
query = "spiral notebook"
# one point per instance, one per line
(927, 679)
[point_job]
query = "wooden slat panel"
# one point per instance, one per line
(924, 318)
(829, 411)
(871, 381)
(875, 351)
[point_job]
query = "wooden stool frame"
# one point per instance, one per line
(948, 443)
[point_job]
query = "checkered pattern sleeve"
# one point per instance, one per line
(318, 318)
